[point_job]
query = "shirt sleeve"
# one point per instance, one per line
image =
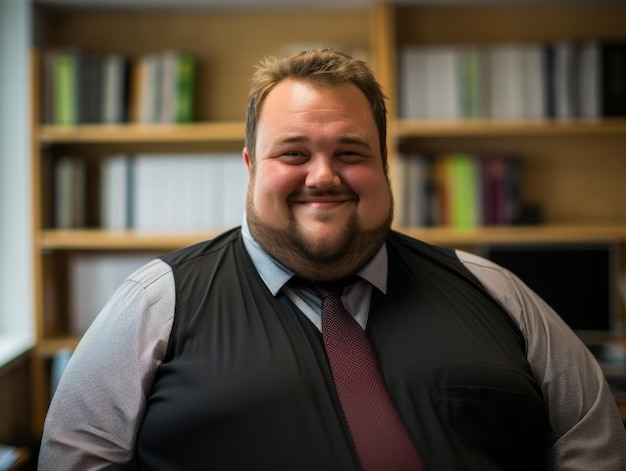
(98, 406)
(587, 429)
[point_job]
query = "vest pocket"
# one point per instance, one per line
(493, 410)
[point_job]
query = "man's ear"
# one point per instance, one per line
(246, 159)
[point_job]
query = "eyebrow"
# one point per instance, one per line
(342, 140)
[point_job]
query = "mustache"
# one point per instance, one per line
(308, 194)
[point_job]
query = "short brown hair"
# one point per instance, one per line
(321, 67)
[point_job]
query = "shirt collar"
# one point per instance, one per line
(274, 274)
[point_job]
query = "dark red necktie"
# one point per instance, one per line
(380, 437)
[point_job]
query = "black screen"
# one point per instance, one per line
(576, 280)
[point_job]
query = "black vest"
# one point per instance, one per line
(246, 384)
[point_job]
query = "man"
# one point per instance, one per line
(213, 357)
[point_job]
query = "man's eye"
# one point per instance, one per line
(350, 156)
(293, 157)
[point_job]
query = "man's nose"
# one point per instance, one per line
(322, 172)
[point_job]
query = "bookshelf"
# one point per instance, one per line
(573, 170)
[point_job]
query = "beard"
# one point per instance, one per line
(345, 253)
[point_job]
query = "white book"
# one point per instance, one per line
(113, 83)
(234, 188)
(534, 81)
(150, 89)
(169, 65)
(150, 189)
(185, 188)
(590, 84)
(413, 86)
(443, 78)
(206, 180)
(506, 65)
(115, 192)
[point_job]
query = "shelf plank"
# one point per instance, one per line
(93, 239)
(518, 234)
(503, 128)
(235, 131)
(140, 133)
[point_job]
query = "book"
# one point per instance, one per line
(413, 84)
(535, 106)
(70, 194)
(48, 87)
(149, 91)
(417, 169)
(506, 78)
(115, 76)
(474, 82)
(177, 87)
(234, 176)
(65, 88)
(565, 77)
(115, 188)
(188, 191)
(463, 190)
(589, 84)
(613, 78)
(443, 88)
(185, 94)
(89, 76)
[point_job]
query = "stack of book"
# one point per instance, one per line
(461, 190)
(87, 88)
(564, 79)
(150, 192)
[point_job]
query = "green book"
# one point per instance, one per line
(185, 89)
(65, 88)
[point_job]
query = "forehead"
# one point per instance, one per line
(294, 102)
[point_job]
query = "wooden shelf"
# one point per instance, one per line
(519, 234)
(573, 170)
(503, 128)
(140, 133)
(234, 131)
(94, 239)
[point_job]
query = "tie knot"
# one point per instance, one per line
(329, 288)
(324, 289)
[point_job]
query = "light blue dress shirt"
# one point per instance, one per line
(356, 297)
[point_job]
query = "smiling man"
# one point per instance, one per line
(314, 337)
(319, 199)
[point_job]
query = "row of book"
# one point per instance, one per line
(150, 192)
(461, 190)
(80, 87)
(561, 79)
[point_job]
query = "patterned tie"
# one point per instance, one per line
(380, 437)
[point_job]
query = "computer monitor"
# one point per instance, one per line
(578, 280)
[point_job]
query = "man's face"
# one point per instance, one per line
(318, 199)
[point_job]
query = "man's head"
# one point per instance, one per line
(319, 199)
(324, 68)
